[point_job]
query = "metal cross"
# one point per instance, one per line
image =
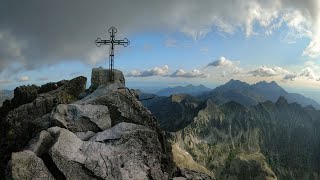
(112, 42)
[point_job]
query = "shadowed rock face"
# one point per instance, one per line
(108, 134)
(174, 112)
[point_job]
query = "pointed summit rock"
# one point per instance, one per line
(100, 76)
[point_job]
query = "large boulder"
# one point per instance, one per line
(126, 151)
(26, 165)
(81, 118)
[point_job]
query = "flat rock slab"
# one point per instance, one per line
(81, 118)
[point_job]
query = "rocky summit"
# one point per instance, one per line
(63, 131)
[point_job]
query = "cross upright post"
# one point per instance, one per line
(112, 42)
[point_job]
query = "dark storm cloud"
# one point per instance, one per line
(38, 32)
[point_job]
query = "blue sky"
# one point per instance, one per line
(172, 42)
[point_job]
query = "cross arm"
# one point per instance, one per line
(125, 42)
(100, 42)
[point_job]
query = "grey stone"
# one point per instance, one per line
(54, 131)
(26, 165)
(79, 118)
(179, 178)
(118, 132)
(41, 143)
(67, 156)
(122, 103)
(85, 136)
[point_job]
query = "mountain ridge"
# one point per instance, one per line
(246, 94)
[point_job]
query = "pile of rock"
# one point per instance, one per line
(73, 133)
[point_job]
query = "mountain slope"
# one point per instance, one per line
(174, 112)
(265, 141)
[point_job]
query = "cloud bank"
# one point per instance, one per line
(157, 71)
(265, 71)
(35, 33)
(193, 74)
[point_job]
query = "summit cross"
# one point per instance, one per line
(112, 42)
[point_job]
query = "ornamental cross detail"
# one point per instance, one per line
(112, 42)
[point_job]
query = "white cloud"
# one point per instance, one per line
(157, 71)
(222, 62)
(290, 76)
(228, 67)
(307, 73)
(265, 71)
(23, 78)
(193, 74)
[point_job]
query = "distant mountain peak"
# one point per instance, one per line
(272, 83)
(234, 81)
(271, 87)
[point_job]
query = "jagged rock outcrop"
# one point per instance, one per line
(108, 134)
(19, 122)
